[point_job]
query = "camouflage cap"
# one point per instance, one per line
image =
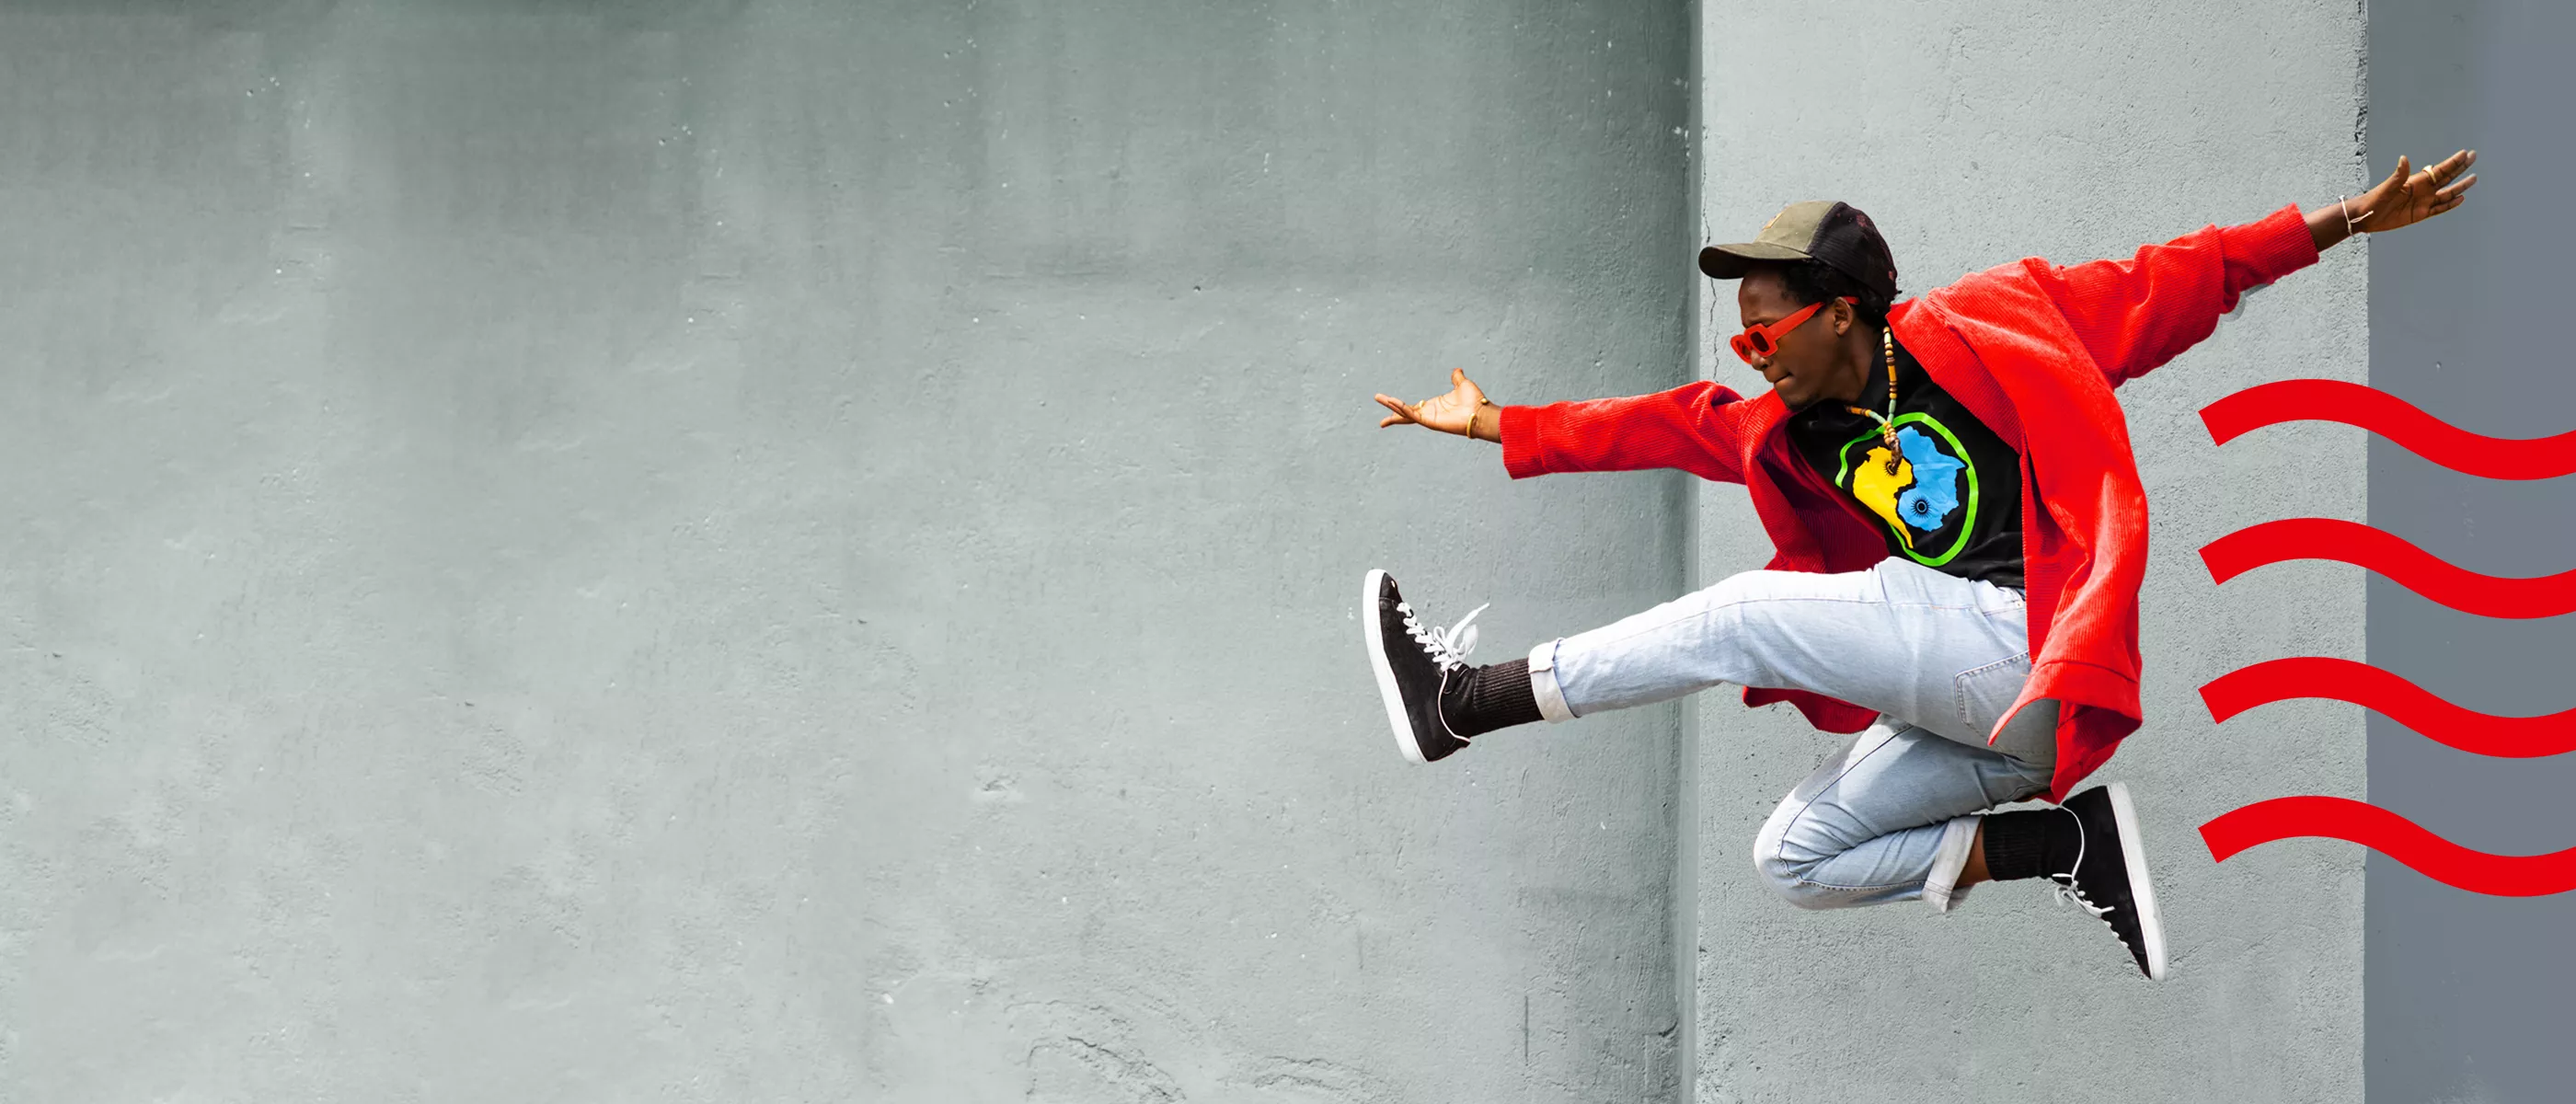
(1823, 230)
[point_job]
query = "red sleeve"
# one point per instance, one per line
(2135, 315)
(1685, 428)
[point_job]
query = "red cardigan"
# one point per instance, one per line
(2033, 349)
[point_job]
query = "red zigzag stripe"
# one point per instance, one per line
(2390, 555)
(2394, 418)
(2426, 713)
(2394, 836)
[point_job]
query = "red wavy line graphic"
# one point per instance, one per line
(2394, 418)
(2391, 835)
(2427, 714)
(2388, 554)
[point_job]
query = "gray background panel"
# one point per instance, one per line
(2469, 994)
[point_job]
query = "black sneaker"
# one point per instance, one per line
(1415, 668)
(2109, 879)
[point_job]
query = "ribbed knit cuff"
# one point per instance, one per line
(2274, 246)
(1497, 697)
(1519, 428)
(2019, 844)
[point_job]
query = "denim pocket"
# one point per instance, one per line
(1983, 693)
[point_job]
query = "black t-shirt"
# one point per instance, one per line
(1954, 501)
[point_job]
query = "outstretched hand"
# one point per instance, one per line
(2408, 197)
(1454, 412)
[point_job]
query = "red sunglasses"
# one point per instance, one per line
(1765, 340)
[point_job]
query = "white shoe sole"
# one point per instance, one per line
(1374, 633)
(2142, 892)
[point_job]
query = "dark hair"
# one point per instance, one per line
(1817, 282)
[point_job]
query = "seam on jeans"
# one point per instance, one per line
(1877, 572)
(1643, 630)
(2012, 597)
(1803, 883)
(1777, 852)
(1959, 685)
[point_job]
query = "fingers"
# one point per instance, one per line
(2448, 172)
(2444, 171)
(2408, 196)
(2453, 196)
(2442, 198)
(1403, 412)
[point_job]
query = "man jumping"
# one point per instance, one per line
(1960, 535)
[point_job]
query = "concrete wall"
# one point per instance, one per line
(769, 551)
(1977, 134)
(766, 550)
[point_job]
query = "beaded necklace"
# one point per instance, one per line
(1886, 424)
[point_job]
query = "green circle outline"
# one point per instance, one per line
(1967, 525)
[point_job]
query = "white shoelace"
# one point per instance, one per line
(1448, 647)
(2071, 892)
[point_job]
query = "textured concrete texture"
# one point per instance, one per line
(774, 551)
(1977, 134)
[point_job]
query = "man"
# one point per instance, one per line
(1960, 536)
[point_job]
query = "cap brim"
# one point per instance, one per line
(1729, 262)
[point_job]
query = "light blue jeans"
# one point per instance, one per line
(1892, 815)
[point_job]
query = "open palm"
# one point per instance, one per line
(1450, 413)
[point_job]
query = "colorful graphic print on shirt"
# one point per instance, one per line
(1930, 501)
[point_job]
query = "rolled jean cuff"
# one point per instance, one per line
(1543, 684)
(1942, 889)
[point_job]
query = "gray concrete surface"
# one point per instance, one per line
(776, 551)
(748, 551)
(1977, 134)
(2469, 993)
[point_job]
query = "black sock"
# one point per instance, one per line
(1482, 699)
(2029, 843)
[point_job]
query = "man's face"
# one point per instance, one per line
(1806, 356)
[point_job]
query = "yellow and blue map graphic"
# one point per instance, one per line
(1932, 490)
